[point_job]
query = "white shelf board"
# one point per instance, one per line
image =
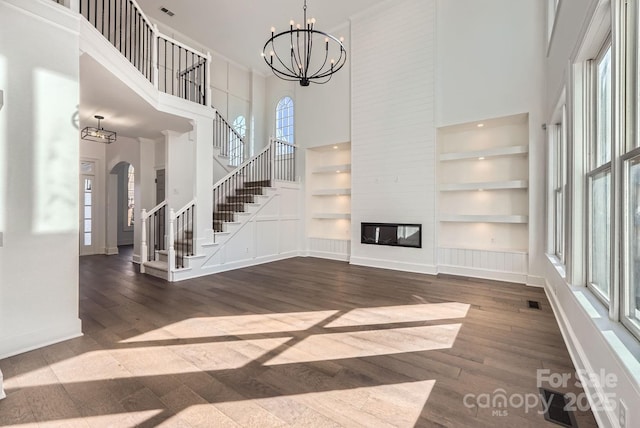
(489, 185)
(455, 218)
(333, 169)
(331, 192)
(331, 216)
(496, 152)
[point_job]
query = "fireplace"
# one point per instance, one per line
(393, 234)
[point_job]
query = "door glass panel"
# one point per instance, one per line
(87, 212)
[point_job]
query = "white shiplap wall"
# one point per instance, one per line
(393, 132)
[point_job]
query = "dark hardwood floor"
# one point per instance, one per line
(301, 342)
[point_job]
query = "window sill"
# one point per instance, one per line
(623, 345)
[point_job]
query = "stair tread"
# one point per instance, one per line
(156, 264)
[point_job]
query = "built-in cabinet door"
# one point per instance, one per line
(87, 202)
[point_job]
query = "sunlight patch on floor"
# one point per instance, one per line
(128, 419)
(333, 346)
(404, 313)
(399, 405)
(174, 360)
(234, 325)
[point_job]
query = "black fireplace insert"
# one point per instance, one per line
(394, 234)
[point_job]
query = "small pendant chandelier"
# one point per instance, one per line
(290, 53)
(99, 134)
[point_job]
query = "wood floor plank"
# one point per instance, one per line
(300, 342)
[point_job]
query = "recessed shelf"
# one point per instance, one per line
(331, 192)
(331, 216)
(488, 153)
(490, 185)
(455, 218)
(333, 169)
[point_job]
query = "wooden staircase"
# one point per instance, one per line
(227, 212)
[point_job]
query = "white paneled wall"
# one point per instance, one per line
(501, 265)
(393, 133)
(337, 249)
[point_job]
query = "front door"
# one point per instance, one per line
(87, 202)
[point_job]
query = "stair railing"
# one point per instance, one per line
(184, 226)
(153, 229)
(171, 66)
(276, 161)
(284, 160)
(183, 71)
(228, 140)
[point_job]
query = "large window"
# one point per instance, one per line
(599, 178)
(630, 276)
(557, 181)
(284, 120)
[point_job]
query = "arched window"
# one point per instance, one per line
(130, 195)
(236, 148)
(284, 120)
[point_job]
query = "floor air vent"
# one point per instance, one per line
(533, 304)
(556, 412)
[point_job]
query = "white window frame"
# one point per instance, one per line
(287, 132)
(595, 171)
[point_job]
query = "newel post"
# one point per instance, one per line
(143, 241)
(172, 252)
(73, 5)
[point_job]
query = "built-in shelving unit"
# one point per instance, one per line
(328, 197)
(483, 203)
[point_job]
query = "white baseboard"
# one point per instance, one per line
(536, 281)
(224, 267)
(520, 278)
(327, 255)
(14, 345)
(394, 265)
(581, 362)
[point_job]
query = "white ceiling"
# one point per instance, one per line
(238, 29)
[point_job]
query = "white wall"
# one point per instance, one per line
(393, 132)
(323, 113)
(39, 163)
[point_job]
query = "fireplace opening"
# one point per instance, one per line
(394, 234)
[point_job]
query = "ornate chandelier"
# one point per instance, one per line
(289, 53)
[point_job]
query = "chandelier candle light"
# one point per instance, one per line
(289, 53)
(99, 134)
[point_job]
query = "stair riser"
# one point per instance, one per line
(157, 273)
(259, 183)
(250, 191)
(240, 199)
(239, 207)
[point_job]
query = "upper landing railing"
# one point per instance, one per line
(169, 65)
